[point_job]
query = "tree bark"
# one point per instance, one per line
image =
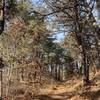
(2, 6)
(85, 69)
(78, 31)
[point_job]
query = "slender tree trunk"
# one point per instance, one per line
(56, 74)
(97, 48)
(2, 6)
(78, 31)
(85, 69)
(59, 72)
(51, 69)
(1, 84)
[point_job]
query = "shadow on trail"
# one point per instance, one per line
(61, 96)
(44, 97)
(94, 95)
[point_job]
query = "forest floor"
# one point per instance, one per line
(73, 89)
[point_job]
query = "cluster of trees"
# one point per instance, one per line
(28, 35)
(77, 16)
(26, 40)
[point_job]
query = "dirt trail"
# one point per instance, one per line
(72, 90)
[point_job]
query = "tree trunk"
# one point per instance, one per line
(85, 68)
(1, 84)
(79, 31)
(55, 71)
(58, 72)
(2, 15)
